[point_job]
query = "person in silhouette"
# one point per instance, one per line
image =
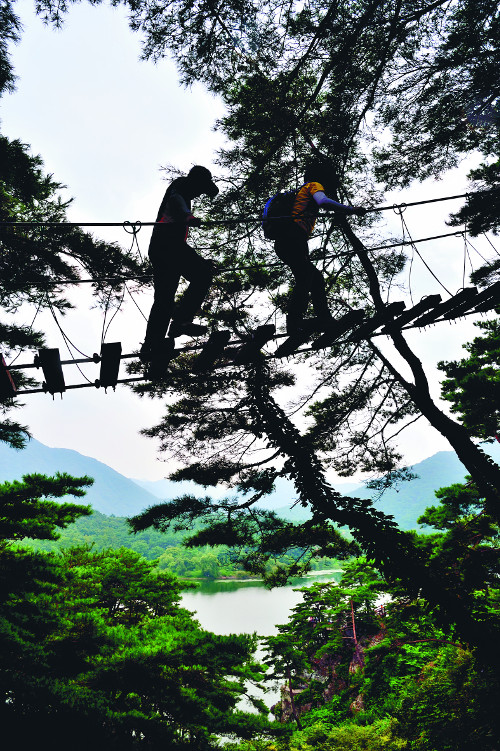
(292, 247)
(172, 258)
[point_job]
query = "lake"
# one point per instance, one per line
(235, 607)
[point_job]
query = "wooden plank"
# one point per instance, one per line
(373, 323)
(211, 351)
(250, 350)
(50, 362)
(464, 295)
(426, 303)
(308, 328)
(339, 327)
(7, 385)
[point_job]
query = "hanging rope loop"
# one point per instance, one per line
(399, 209)
(132, 228)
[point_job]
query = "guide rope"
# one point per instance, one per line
(248, 267)
(134, 227)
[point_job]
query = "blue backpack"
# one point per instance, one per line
(277, 214)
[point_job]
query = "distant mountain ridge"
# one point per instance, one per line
(111, 493)
(115, 494)
(284, 491)
(408, 501)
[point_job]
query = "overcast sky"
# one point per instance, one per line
(104, 122)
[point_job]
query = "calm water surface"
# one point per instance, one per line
(229, 607)
(235, 607)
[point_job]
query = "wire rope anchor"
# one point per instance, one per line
(133, 228)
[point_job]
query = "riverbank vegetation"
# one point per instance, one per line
(95, 643)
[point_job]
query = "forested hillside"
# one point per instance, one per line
(104, 533)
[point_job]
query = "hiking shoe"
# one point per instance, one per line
(159, 359)
(186, 329)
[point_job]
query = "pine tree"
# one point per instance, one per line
(95, 649)
(472, 384)
(42, 260)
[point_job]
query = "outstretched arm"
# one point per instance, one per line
(330, 205)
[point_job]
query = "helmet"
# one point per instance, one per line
(320, 171)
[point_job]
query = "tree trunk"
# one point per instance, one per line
(292, 700)
(393, 551)
(484, 472)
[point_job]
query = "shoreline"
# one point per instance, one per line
(256, 579)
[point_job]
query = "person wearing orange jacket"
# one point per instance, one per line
(292, 247)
